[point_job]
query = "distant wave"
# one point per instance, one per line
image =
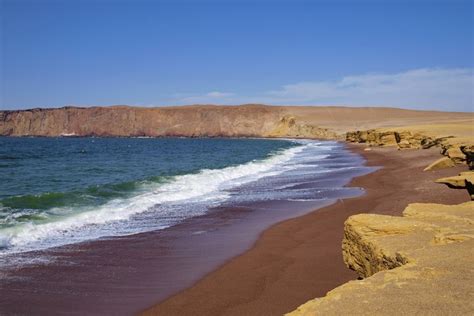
(93, 195)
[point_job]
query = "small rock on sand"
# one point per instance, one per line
(441, 163)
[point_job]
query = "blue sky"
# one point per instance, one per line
(412, 54)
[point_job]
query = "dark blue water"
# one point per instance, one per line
(57, 185)
(57, 191)
(35, 166)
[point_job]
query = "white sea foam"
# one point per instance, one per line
(208, 185)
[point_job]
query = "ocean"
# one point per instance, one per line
(58, 191)
(123, 223)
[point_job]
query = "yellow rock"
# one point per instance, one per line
(418, 264)
(441, 163)
(465, 180)
(288, 126)
(456, 154)
(403, 139)
(455, 182)
(469, 152)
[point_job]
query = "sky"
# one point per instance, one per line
(412, 54)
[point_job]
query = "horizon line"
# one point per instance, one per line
(71, 106)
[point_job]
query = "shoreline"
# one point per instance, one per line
(245, 263)
(299, 259)
(123, 275)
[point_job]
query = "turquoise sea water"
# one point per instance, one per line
(53, 180)
(59, 191)
(42, 173)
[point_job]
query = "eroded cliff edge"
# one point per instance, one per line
(420, 263)
(187, 121)
(456, 141)
(250, 120)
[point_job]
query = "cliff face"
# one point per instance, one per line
(190, 121)
(209, 120)
(420, 263)
(129, 121)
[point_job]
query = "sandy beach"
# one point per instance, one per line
(126, 274)
(236, 158)
(231, 261)
(299, 259)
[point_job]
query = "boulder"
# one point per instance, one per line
(403, 144)
(441, 163)
(470, 187)
(418, 264)
(387, 139)
(455, 182)
(456, 154)
(469, 152)
(465, 180)
(428, 142)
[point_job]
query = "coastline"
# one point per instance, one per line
(298, 259)
(123, 275)
(242, 264)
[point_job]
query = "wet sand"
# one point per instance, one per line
(123, 275)
(300, 259)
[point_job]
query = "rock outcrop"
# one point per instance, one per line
(455, 154)
(469, 152)
(441, 163)
(420, 263)
(457, 150)
(288, 126)
(401, 139)
(465, 180)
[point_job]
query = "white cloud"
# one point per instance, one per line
(447, 89)
(212, 97)
(436, 88)
(217, 94)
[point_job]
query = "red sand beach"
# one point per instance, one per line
(299, 259)
(185, 271)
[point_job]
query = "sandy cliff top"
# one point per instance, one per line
(420, 263)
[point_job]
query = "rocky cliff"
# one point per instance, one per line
(457, 147)
(189, 121)
(130, 121)
(209, 120)
(400, 138)
(420, 263)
